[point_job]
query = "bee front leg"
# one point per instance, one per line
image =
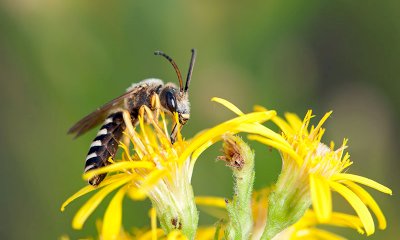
(176, 129)
(174, 133)
(156, 108)
(155, 105)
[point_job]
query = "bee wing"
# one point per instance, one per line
(99, 115)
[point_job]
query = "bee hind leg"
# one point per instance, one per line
(129, 122)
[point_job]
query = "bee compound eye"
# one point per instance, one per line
(171, 101)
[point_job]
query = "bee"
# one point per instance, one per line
(171, 100)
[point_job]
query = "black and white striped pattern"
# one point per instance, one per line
(105, 145)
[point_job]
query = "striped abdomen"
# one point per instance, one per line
(105, 145)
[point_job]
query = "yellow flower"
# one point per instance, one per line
(159, 170)
(312, 168)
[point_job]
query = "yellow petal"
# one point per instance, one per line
(217, 131)
(314, 233)
(321, 197)
(258, 128)
(346, 220)
(136, 194)
(113, 216)
(211, 201)
(369, 201)
(357, 204)
(228, 105)
(282, 124)
(150, 180)
(363, 180)
(89, 188)
(278, 146)
(263, 131)
(154, 177)
(199, 151)
(295, 122)
(204, 147)
(87, 209)
(259, 108)
(337, 219)
(322, 121)
(118, 166)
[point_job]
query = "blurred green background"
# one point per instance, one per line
(61, 59)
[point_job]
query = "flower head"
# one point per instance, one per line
(156, 169)
(312, 170)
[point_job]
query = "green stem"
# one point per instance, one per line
(287, 203)
(240, 158)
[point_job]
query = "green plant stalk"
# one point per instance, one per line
(218, 229)
(287, 203)
(240, 158)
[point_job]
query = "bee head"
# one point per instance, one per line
(173, 99)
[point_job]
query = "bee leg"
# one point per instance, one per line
(176, 129)
(125, 140)
(155, 105)
(129, 122)
(173, 134)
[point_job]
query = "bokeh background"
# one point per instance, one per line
(61, 59)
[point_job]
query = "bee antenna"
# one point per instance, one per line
(190, 71)
(178, 73)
